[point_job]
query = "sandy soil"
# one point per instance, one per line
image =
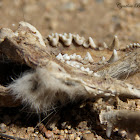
(100, 19)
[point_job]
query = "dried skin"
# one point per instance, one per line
(123, 67)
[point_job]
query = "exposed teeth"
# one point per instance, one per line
(54, 38)
(82, 68)
(90, 72)
(114, 57)
(66, 57)
(87, 70)
(105, 45)
(91, 43)
(89, 57)
(115, 44)
(78, 66)
(97, 75)
(108, 131)
(79, 40)
(74, 64)
(138, 44)
(86, 44)
(59, 56)
(135, 44)
(127, 46)
(68, 62)
(66, 38)
(131, 45)
(79, 58)
(73, 56)
(103, 59)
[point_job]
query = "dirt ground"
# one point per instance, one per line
(100, 19)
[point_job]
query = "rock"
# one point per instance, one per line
(62, 132)
(66, 131)
(61, 137)
(14, 131)
(71, 136)
(77, 138)
(56, 132)
(49, 134)
(2, 127)
(88, 136)
(30, 130)
(82, 124)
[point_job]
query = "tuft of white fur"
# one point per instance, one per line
(45, 87)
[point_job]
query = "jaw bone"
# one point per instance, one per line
(71, 84)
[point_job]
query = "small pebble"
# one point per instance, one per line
(30, 130)
(62, 132)
(71, 136)
(14, 131)
(49, 134)
(57, 132)
(77, 138)
(36, 138)
(88, 136)
(61, 137)
(66, 131)
(69, 127)
(3, 127)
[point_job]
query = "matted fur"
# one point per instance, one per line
(41, 90)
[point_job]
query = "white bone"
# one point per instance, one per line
(135, 44)
(86, 44)
(88, 58)
(66, 57)
(115, 44)
(54, 38)
(97, 75)
(138, 44)
(73, 56)
(90, 72)
(66, 39)
(82, 68)
(105, 45)
(103, 59)
(59, 56)
(36, 32)
(91, 43)
(87, 69)
(131, 45)
(79, 58)
(128, 46)
(78, 40)
(77, 66)
(114, 57)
